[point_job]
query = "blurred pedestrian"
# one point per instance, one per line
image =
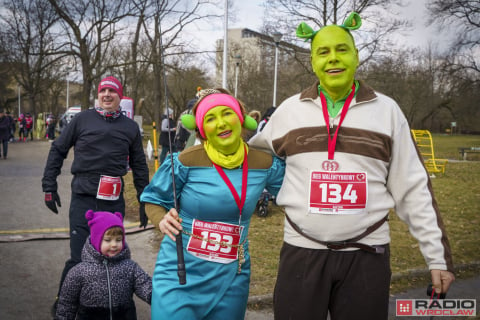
(51, 123)
(40, 125)
(265, 118)
(183, 134)
(29, 126)
(21, 128)
(12, 126)
(167, 135)
(4, 134)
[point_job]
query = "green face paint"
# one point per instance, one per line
(223, 129)
(334, 60)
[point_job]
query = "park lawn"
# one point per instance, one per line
(458, 196)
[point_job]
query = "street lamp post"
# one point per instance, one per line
(276, 38)
(68, 87)
(68, 91)
(19, 102)
(225, 44)
(238, 59)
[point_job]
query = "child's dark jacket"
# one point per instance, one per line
(89, 286)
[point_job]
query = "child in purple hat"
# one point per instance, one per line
(103, 284)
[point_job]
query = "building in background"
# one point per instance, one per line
(251, 64)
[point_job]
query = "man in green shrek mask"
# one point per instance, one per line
(349, 159)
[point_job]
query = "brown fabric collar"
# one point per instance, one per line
(365, 92)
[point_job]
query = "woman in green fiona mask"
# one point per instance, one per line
(217, 185)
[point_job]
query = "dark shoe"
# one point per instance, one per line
(53, 310)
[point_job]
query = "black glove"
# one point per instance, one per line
(51, 200)
(143, 215)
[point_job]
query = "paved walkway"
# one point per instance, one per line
(31, 262)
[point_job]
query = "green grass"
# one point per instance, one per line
(458, 196)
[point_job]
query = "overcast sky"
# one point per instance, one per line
(249, 14)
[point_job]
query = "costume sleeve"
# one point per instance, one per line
(415, 204)
(160, 189)
(155, 213)
(58, 152)
(68, 302)
(275, 176)
(143, 284)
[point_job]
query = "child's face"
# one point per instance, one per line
(111, 245)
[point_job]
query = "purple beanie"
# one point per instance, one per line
(101, 221)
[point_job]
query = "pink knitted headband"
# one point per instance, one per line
(212, 101)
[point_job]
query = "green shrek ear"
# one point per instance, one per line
(249, 123)
(304, 31)
(353, 21)
(188, 121)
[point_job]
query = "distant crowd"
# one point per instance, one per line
(24, 127)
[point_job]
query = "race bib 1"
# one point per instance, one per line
(215, 241)
(109, 188)
(333, 192)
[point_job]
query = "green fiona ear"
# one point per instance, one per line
(353, 21)
(188, 121)
(249, 123)
(304, 31)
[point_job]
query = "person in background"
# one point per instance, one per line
(350, 158)
(21, 128)
(62, 123)
(167, 136)
(4, 134)
(12, 126)
(51, 123)
(29, 126)
(182, 134)
(103, 284)
(265, 118)
(217, 184)
(40, 125)
(106, 144)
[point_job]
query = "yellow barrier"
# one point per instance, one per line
(155, 146)
(424, 141)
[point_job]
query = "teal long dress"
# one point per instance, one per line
(213, 290)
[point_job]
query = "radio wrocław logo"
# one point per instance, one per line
(438, 308)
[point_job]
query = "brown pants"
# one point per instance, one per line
(349, 284)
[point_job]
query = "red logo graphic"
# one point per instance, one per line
(404, 308)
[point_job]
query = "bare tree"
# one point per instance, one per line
(27, 41)
(374, 37)
(429, 94)
(91, 29)
(164, 23)
(7, 94)
(463, 18)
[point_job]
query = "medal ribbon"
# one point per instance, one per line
(240, 201)
(333, 141)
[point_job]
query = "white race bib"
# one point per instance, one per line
(215, 241)
(109, 188)
(333, 192)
